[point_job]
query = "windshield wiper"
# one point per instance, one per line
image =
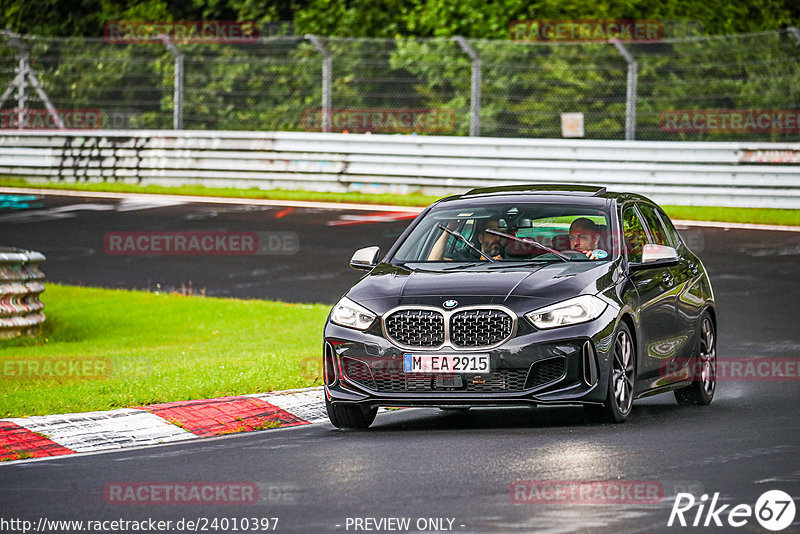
(519, 263)
(463, 266)
(529, 241)
(458, 235)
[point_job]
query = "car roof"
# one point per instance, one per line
(555, 189)
(550, 192)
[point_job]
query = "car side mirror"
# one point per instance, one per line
(365, 258)
(654, 255)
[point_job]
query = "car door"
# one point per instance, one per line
(656, 302)
(688, 307)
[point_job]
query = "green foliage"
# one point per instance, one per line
(269, 85)
(387, 18)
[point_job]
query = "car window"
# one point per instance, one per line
(451, 232)
(655, 225)
(671, 231)
(635, 237)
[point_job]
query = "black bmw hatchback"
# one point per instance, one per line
(524, 295)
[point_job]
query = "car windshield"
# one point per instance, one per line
(509, 232)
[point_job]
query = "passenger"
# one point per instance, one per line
(491, 244)
(584, 236)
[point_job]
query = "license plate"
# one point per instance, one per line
(446, 363)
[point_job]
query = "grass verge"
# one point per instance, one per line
(414, 199)
(158, 348)
(691, 213)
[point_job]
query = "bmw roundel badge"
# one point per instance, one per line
(450, 304)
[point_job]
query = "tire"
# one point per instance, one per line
(621, 379)
(703, 368)
(350, 415)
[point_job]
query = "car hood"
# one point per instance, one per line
(388, 285)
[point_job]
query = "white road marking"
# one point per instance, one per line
(216, 200)
(61, 212)
(136, 204)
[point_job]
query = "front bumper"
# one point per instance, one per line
(567, 365)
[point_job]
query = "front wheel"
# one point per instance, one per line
(350, 415)
(619, 400)
(703, 368)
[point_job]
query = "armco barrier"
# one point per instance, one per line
(721, 174)
(21, 283)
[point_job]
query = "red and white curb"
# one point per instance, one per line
(55, 435)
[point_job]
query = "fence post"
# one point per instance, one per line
(326, 81)
(475, 88)
(24, 75)
(177, 98)
(630, 103)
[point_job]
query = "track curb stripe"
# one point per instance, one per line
(224, 415)
(53, 435)
(18, 443)
(95, 431)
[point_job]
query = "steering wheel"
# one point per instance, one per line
(569, 251)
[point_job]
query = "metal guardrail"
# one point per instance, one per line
(717, 174)
(21, 283)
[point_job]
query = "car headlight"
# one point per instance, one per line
(348, 313)
(573, 311)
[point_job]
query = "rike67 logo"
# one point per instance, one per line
(774, 510)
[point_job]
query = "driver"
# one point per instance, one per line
(584, 236)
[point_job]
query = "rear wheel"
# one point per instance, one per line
(703, 368)
(350, 415)
(619, 400)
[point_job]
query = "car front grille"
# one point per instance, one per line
(500, 381)
(546, 371)
(480, 328)
(503, 380)
(416, 328)
(358, 372)
(473, 328)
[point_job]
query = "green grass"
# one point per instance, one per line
(692, 213)
(414, 199)
(739, 215)
(162, 348)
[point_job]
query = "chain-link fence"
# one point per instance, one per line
(738, 87)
